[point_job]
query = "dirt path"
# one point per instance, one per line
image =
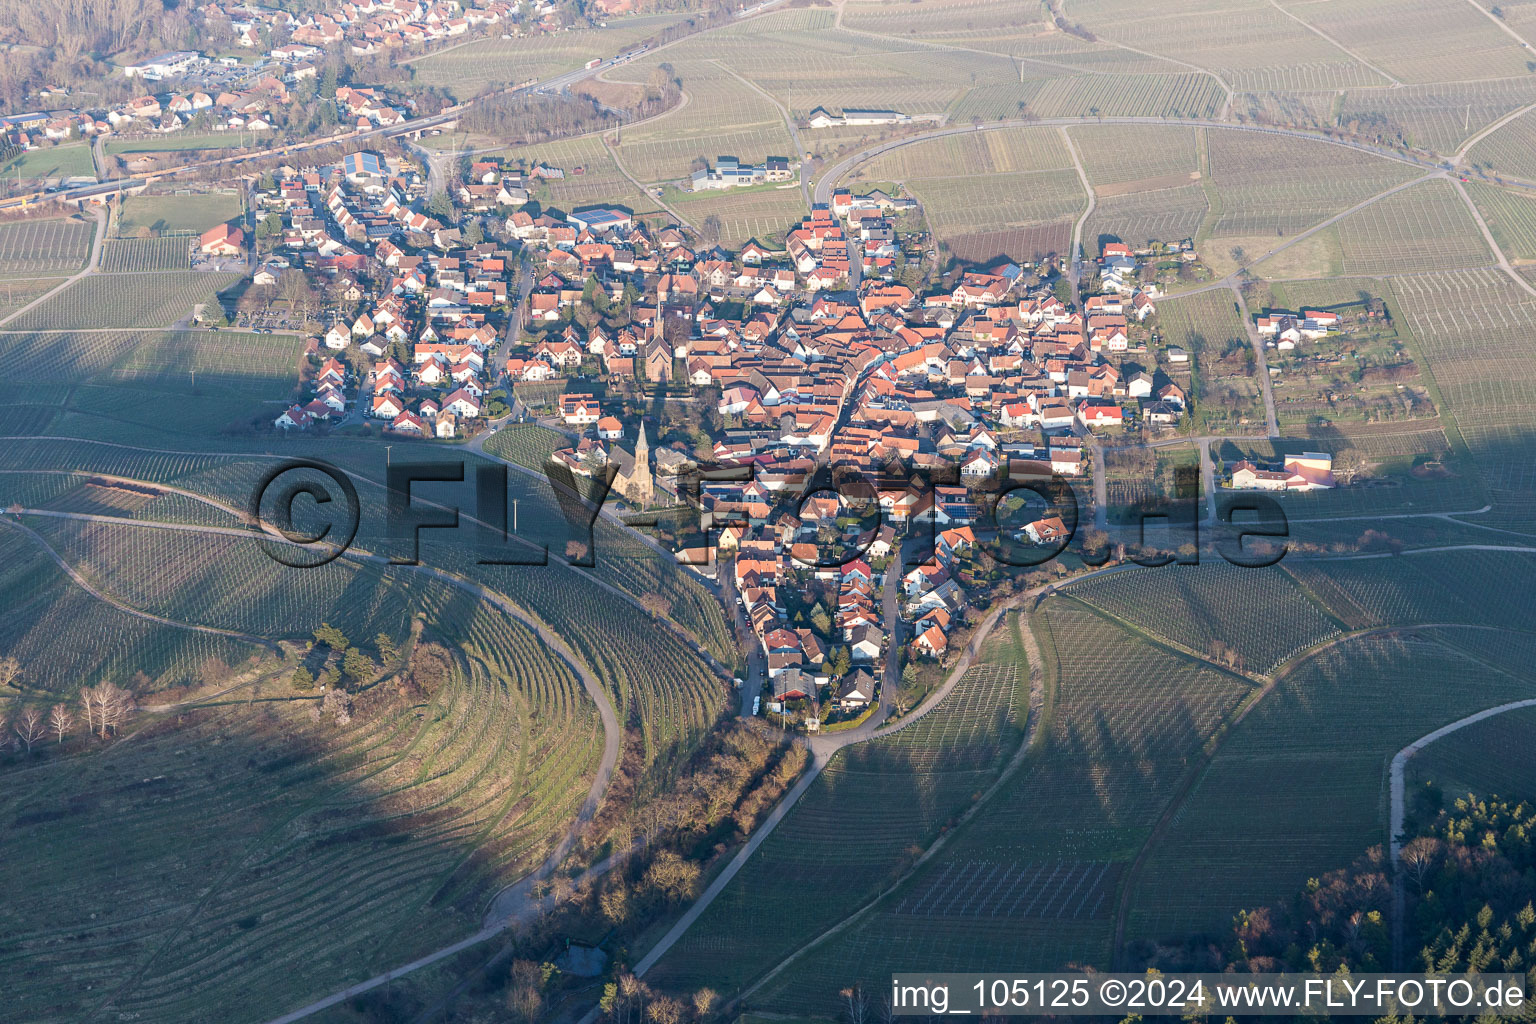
(1398, 814)
(1074, 275)
(123, 606)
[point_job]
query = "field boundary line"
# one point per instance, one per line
(129, 609)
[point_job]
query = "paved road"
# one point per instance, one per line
(1075, 267)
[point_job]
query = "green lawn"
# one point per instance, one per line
(170, 214)
(71, 161)
(167, 143)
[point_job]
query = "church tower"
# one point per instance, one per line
(635, 482)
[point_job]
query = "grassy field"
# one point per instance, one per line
(68, 161)
(129, 300)
(1299, 787)
(853, 831)
(177, 142)
(1228, 395)
(180, 214)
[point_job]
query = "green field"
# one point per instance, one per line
(177, 142)
(180, 214)
(68, 161)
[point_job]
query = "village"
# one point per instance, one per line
(777, 361)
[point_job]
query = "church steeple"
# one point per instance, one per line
(642, 450)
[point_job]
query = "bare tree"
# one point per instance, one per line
(704, 1002)
(105, 706)
(60, 721)
(665, 1010)
(1419, 858)
(10, 668)
(856, 1002)
(29, 727)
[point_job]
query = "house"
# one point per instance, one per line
(462, 404)
(610, 429)
(387, 406)
(856, 690)
(932, 642)
(295, 418)
(1050, 530)
(338, 338)
(222, 240)
(580, 410)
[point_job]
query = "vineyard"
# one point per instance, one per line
(851, 832)
(129, 300)
(1472, 587)
(526, 444)
(466, 70)
(1170, 214)
(1421, 41)
(45, 610)
(1511, 218)
(1299, 786)
(32, 247)
(1272, 186)
(1259, 613)
(1472, 330)
(1496, 756)
(328, 852)
(1440, 117)
(1163, 154)
(1261, 50)
(1426, 227)
(131, 255)
(764, 213)
(1048, 852)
